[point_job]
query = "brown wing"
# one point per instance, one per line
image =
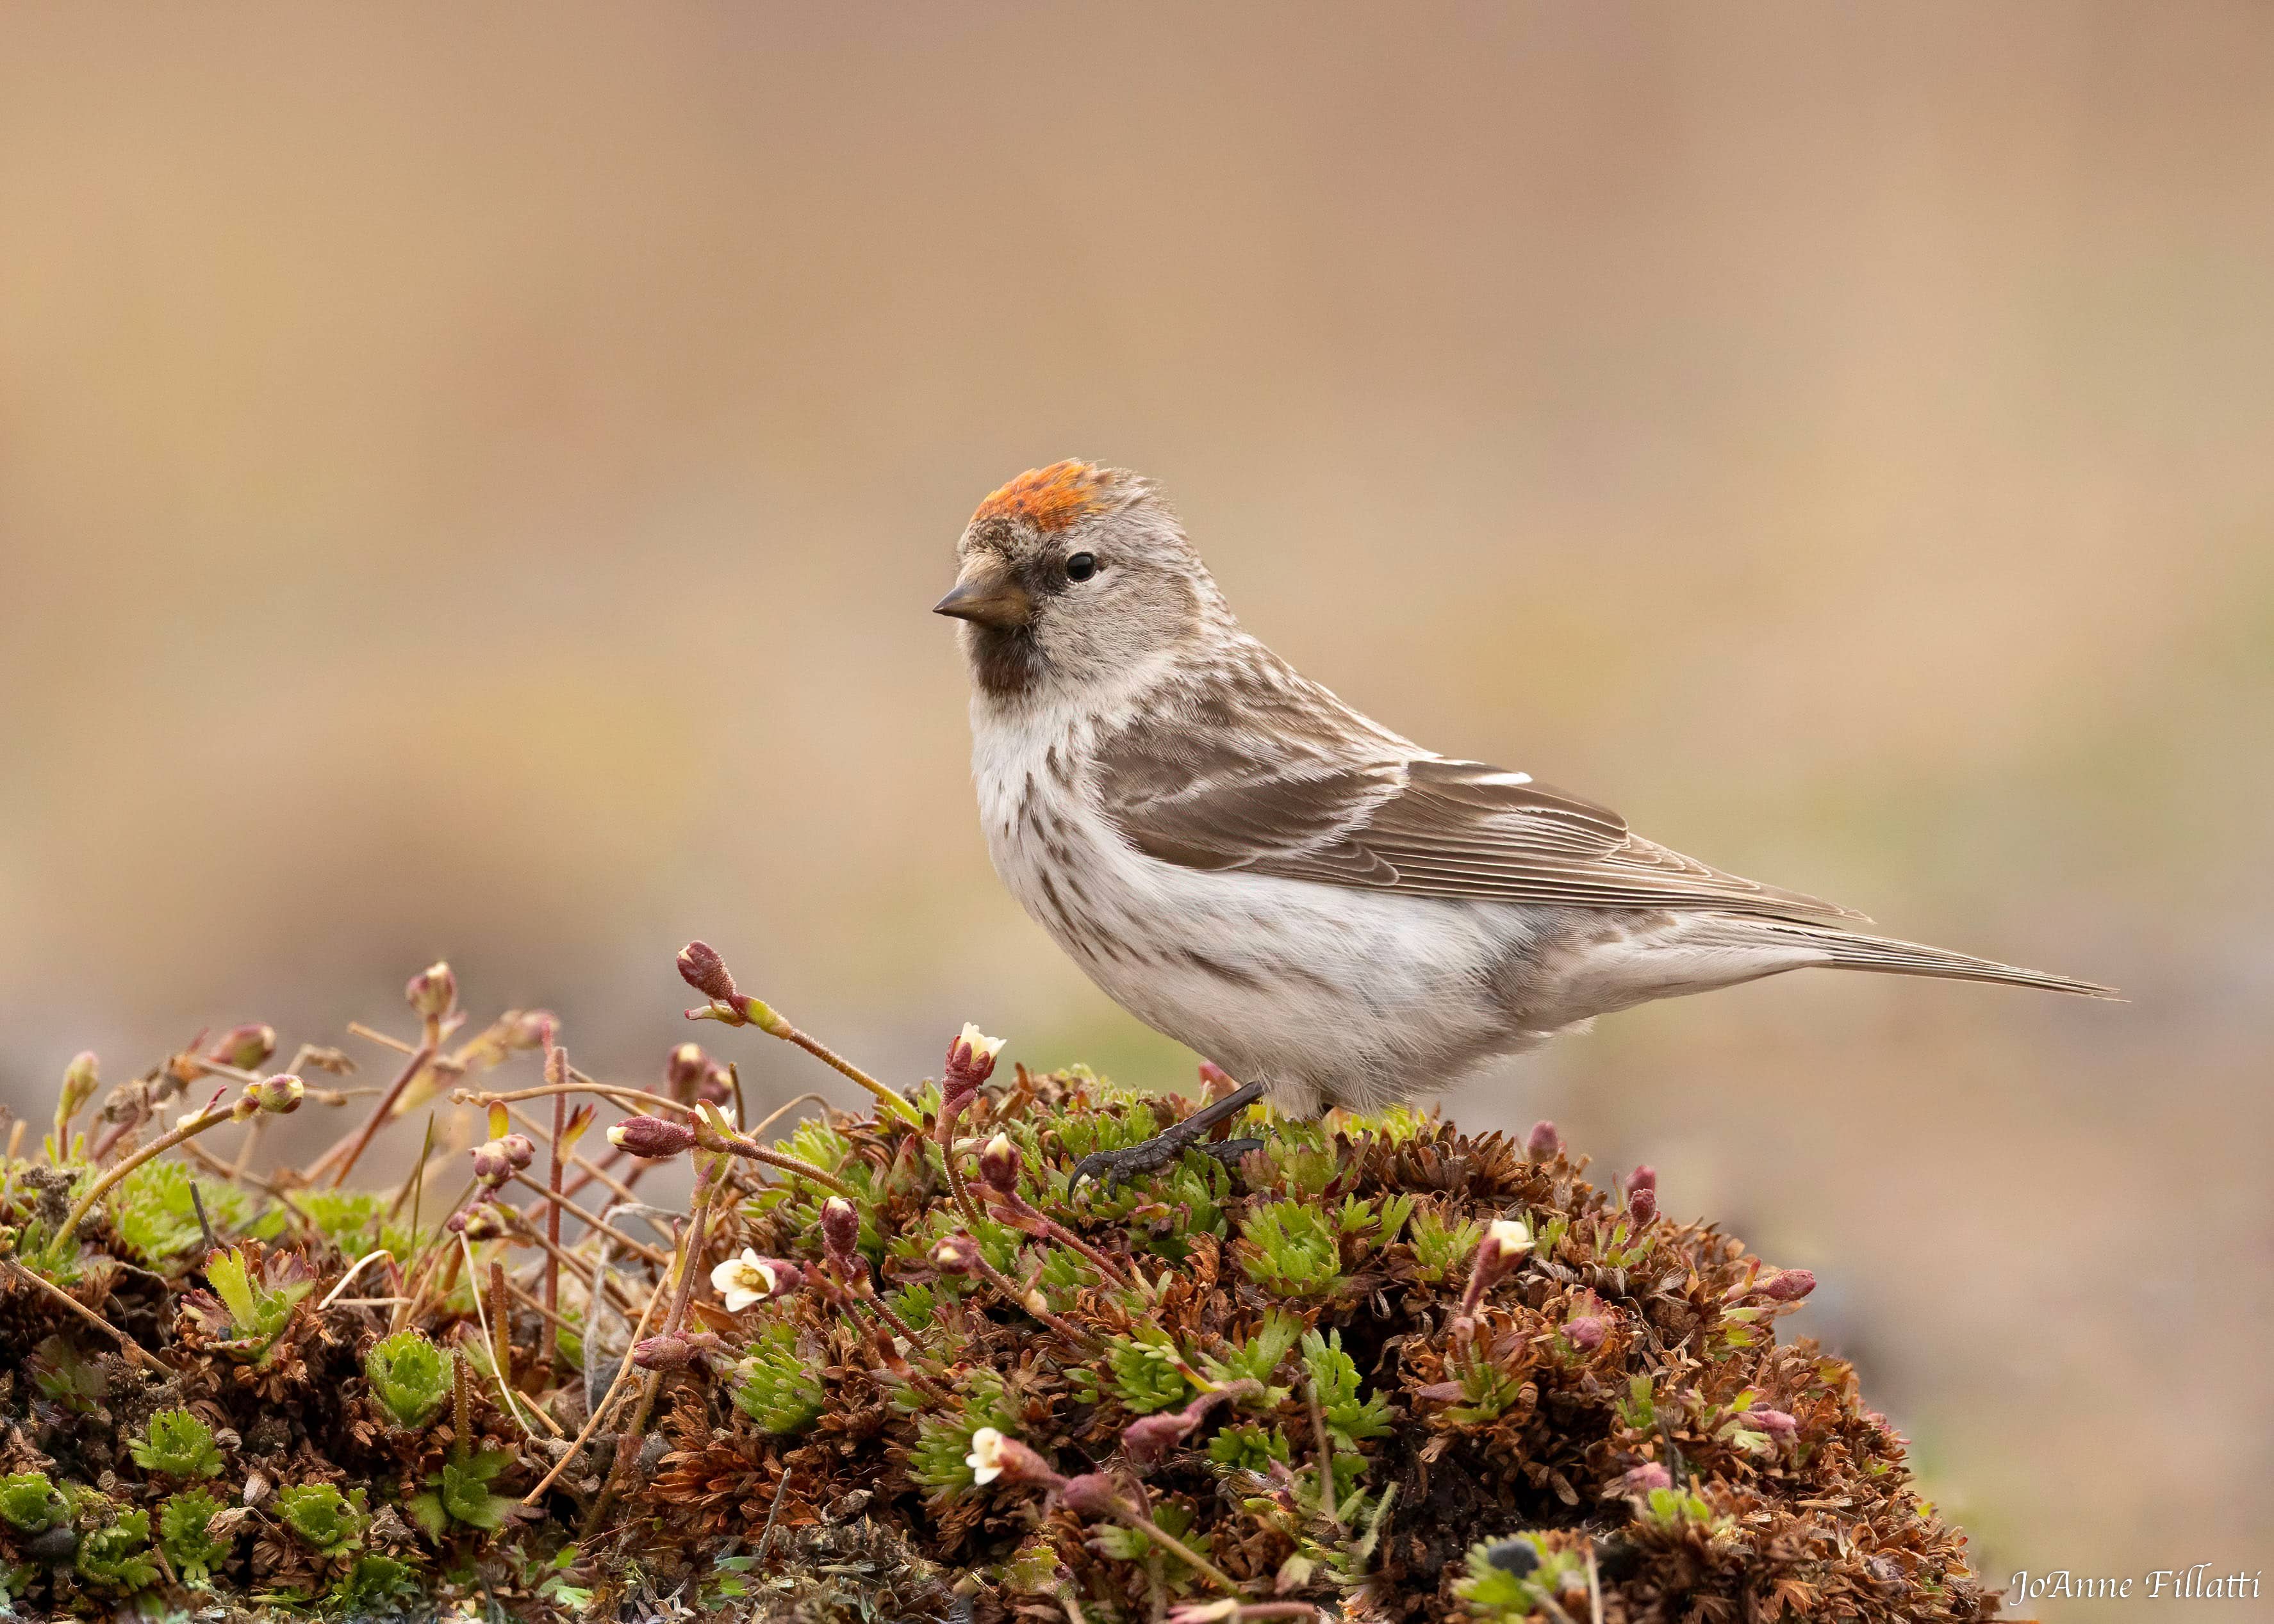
(1202, 799)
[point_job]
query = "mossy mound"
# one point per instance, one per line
(967, 1394)
(1334, 1264)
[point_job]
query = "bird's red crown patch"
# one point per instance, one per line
(1049, 498)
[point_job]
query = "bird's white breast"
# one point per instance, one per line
(1326, 994)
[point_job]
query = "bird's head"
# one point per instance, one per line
(1074, 576)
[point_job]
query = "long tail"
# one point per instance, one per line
(1847, 951)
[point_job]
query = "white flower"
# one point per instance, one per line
(1509, 1235)
(986, 1457)
(743, 1280)
(979, 1043)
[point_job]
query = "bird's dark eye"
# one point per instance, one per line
(1082, 566)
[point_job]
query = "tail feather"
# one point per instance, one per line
(1847, 951)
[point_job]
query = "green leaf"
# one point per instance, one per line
(176, 1444)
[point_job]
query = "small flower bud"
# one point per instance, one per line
(1585, 1333)
(685, 1071)
(492, 1166)
(840, 1226)
(665, 1352)
(701, 968)
(1090, 1495)
(1642, 1193)
(1506, 1242)
(244, 1046)
(956, 1254)
(1507, 1239)
(1544, 1142)
(1776, 1423)
(1786, 1285)
(970, 1060)
(652, 1137)
(998, 1164)
(279, 1096)
(80, 1080)
(528, 1029)
(1648, 1476)
(483, 1222)
(433, 992)
(1214, 1080)
(1150, 1438)
(520, 1151)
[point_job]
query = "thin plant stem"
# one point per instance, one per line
(548, 1351)
(133, 1349)
(600, 1410)
(578, 1083)
(690, 1258)
(1326, 1452)
(1010, 1294)
(767, 1020)
(622, 1239)
(354, 1270)
(504, 1385)
(189, 1127)
(362, 1136)
(1176, 1547)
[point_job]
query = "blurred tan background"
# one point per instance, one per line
(472, 481)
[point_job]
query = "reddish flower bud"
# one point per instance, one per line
(840, 1226)
(244, 1046)
(684, 1071)
(1786, 1285)
(528, 1029)
(666, 1352)
(1642, 1193)
(520, 1151)
(998, 1164)
(1650, 1475)
(1090, 1495)
(1150, 1438)
(1585, 1333)
(652, 1137)
(432, 992)
(492, 1166)
(970, 1060)
(1544, 1141)
(1215, 1081)
(483, 1222)
(956, 1254)
(1776, 1423)
(701, 968)
(278, 1095)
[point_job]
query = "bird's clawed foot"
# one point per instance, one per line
(1111, 1168)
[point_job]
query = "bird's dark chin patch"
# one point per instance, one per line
(1005, 664)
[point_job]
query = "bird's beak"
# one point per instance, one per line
(986, 596)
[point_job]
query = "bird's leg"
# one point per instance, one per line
(1111, 1168)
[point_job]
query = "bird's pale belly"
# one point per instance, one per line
(1327, 995)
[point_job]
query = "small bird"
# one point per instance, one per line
(1332, 913)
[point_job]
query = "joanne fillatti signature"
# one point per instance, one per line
(2195, 1583)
